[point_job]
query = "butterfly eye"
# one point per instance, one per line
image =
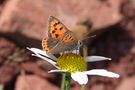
(80, 43)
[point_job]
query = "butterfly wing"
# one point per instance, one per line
(55, 34)
(59, 39)
(56, 29)
(68, 43)
(48, 44)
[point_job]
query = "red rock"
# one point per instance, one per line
(125, 67)
(7, 72)
(6, 49)
(30, 18)
(33, 82)
(127, 84)
(35, 69)
(128, 12)
(100, 13)
(98, 87)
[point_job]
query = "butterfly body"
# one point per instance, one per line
(59, 39)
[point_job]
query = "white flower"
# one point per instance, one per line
(77, 70)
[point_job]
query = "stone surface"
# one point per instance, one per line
(8, 72)
(100, 13)
(32, 67)
(33, 82)
(125, 70)
(127, 84)
(30, 17)
(128, 12)
(6, 48)
(98, 87)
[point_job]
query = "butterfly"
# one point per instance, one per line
(60, 38)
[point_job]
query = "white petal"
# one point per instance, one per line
(56, 70)
(102, 72)
(41, 52)
(36, 50)
(44, 58)
(96, 58)
(80, 77)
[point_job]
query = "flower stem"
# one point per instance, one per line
(67, 81)
(63, 81)
(85, 51)
(82, 87)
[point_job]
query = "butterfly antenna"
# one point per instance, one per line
(88, 37)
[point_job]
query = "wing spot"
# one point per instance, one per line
(47, 50)
(55, 28)
(61, 28)
(70, 37)
(56, 24)
(53, 31)
(56, 35)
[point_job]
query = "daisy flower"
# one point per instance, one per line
(74, 64)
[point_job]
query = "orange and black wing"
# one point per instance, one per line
(59, 39)
(55, 34)
(56, 29)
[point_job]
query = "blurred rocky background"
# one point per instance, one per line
(23, 23)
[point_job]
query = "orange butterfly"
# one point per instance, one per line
(59, 39)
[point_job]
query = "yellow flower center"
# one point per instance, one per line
(71, 62)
